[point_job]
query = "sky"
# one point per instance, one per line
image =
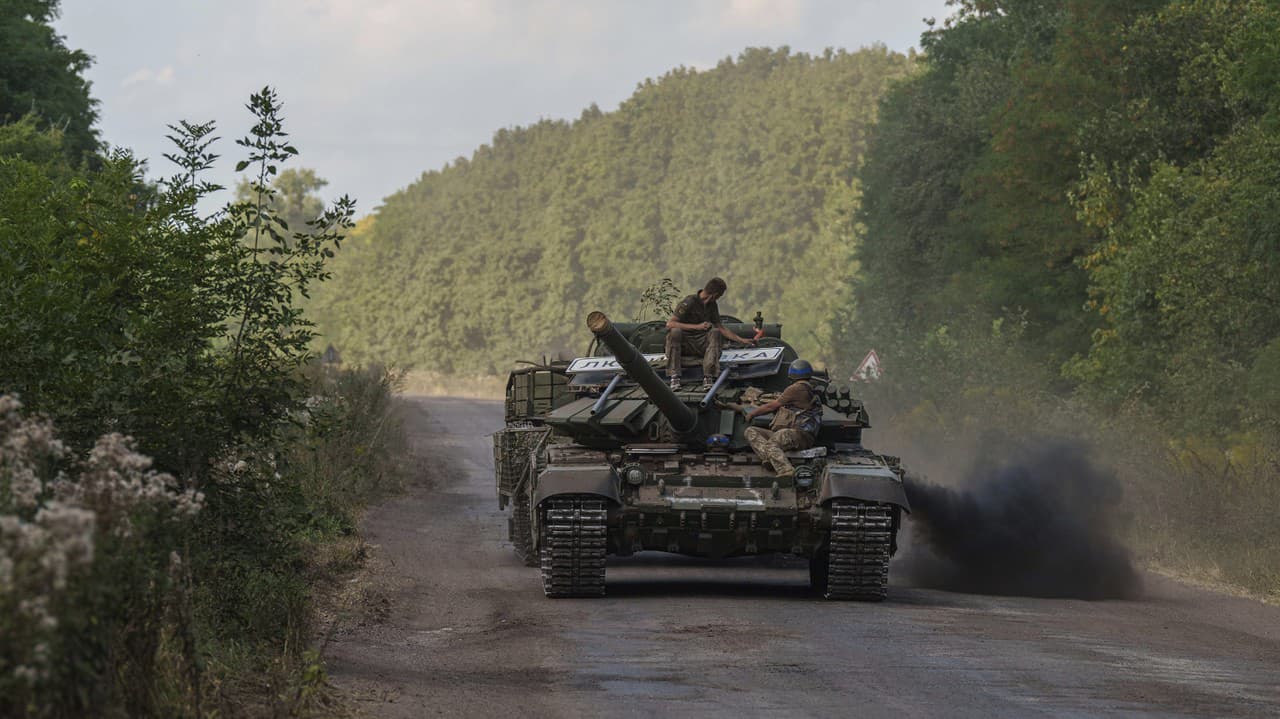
(376, 92)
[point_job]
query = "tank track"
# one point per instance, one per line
(858, 552)
(573, 546)
(521, 531)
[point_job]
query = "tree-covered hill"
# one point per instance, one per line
(747, 170)
(1102, 174)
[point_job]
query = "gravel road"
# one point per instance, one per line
(468, 632)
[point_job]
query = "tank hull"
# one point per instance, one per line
(713, 505)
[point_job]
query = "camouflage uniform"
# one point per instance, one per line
(771, 445)
(707, 343)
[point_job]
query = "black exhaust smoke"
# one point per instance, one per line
(1043, 527)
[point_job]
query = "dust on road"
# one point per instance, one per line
(468, 632)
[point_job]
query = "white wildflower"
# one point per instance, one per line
(188, 504)
(117, 480)
(9, 404)
(24, 487)
(34, 438)
(34, 607)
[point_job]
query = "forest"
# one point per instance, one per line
(1101, 176)
(746, 170)
(1068, 233)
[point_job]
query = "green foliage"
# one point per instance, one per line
(294, 200)
(41, 77)
(128, 312)
(1103, 170)
(745, 171)
(113, 307)
(1264, 386)
(131, 311)
(659, 300)
(25, 139)
(1186, 272)
(978, 217)
(1102, 178)
(273, 268)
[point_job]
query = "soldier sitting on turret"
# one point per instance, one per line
(689, 330)
(797, 418)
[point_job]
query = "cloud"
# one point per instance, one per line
(146, 76)
(376, 91)
(762, 14)
(727, 17)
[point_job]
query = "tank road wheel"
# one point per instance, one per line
(573, 546)
(855, 563)
(521, 529)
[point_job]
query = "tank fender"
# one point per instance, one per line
(864, 482)
(598, 479)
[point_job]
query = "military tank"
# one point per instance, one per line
(600, 458)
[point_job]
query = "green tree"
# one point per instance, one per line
(41, 76)
(295, 200)
(1185, 278)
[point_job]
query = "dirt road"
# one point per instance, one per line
(470, 634)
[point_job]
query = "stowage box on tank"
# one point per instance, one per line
(600, 457)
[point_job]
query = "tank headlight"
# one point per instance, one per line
(804, 477)
(635, 475)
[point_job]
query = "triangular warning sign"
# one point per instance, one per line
(868, 369)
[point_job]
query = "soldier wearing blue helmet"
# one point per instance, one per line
(797, 418)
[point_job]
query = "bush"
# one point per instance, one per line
(135, 324)
(90, 567)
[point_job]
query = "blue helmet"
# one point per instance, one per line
(800, 370)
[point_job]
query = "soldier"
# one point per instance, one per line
(795, 425)
(689, 330)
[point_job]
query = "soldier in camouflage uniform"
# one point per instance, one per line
(798, 416)
(690, 330)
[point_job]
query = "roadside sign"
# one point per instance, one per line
(868, 369)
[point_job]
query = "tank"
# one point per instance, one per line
(600, 458)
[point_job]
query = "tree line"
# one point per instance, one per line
(1069, 229)
(1101, 178)
(745, 170)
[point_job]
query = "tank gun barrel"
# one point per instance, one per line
(682, 418)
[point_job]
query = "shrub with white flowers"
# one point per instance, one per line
(54, 511)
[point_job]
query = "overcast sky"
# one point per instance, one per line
(378, 91)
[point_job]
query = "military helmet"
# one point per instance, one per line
(800, 369)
